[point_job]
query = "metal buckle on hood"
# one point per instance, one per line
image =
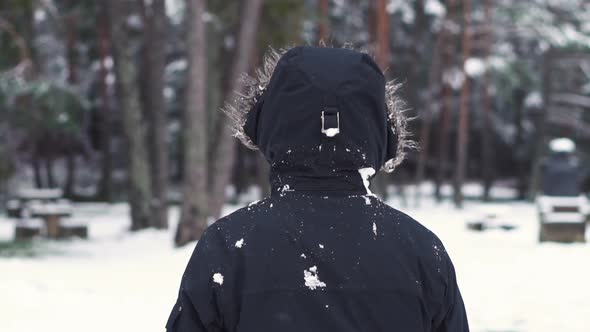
(330, 122)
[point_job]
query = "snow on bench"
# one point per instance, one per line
(40, 194)
(563, 209)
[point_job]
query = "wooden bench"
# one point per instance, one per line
(72, 228)
(563, 219)
(563, 232)
(27, 229)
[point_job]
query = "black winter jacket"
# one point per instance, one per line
(321, 253)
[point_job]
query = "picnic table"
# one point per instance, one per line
(18, 206)
(51, 211)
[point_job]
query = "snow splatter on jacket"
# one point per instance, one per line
(321, 253)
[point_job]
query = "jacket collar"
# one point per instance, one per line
(346, 183)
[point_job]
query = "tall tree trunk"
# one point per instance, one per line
(25, 41)
(383, 49)
(421, 27)
(448, 50)
(71, 23)
(195, 210)
(324, 21)
(154, 68)
(225, 147)
(72, 45)
(487, 148)
(70, 175)
(105, 190)
(428, 114)
(443, 140)
(518, 106)
(50, 175)
(37, 171)
(379, 29)
(140, 194)
(541, 123)
(463, 130)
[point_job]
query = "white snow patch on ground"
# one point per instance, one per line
(367, 200)
(375, 229)
(239, 243)
(218, 278)
(321, 246)
(312, 281)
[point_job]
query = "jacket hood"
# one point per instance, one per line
(320, 111)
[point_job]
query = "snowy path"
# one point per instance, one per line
(118, 281)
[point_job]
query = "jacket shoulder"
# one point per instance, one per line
(419, 237)
(241, 219)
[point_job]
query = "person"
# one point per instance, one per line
(322, 253)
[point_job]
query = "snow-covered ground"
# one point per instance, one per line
(117, 281)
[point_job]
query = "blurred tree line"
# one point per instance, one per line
(118, 99)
